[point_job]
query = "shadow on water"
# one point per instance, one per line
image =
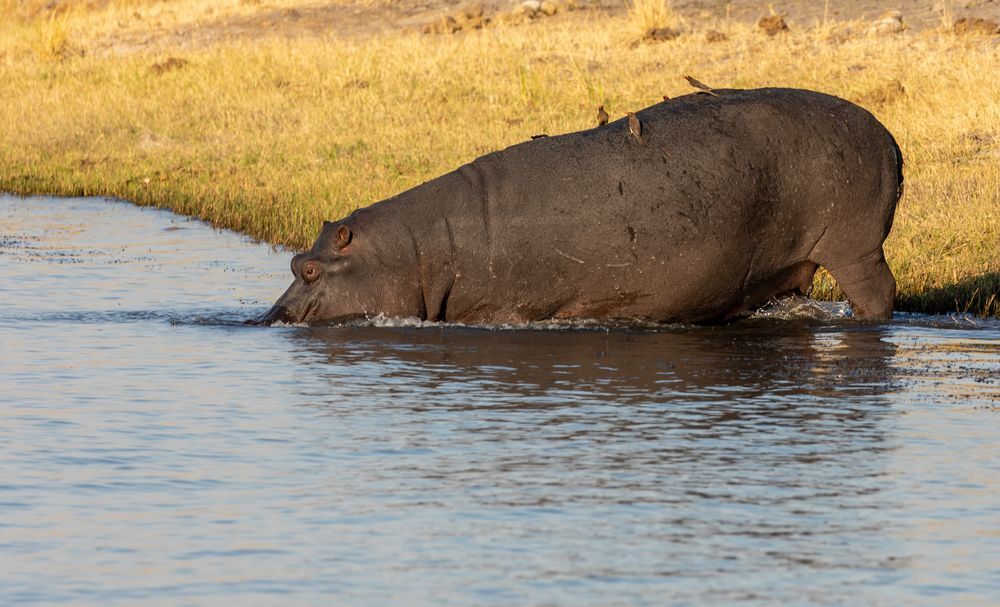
(758, 438)
(803, 392)
(749, 360)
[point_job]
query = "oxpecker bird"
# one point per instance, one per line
(635, 127)
(602, 116)
(701, 86)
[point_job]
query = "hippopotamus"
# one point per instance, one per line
(718, 204)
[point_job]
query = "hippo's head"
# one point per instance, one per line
(343, 278)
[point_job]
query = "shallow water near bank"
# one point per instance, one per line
(153, 450)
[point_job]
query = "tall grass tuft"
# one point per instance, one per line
(947, 16)
(648, 15)
(52, 38)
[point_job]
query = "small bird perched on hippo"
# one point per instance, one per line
(733, 199)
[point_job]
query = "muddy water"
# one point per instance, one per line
(155, 451)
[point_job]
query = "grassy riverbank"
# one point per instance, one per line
(273, 136)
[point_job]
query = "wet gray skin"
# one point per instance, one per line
(314, 291)
(334, 285)
(306, 292)
(727, 203)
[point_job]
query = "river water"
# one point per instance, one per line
(155, 451)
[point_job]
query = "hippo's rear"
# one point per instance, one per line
(724, 203)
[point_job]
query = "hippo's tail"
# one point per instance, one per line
(894, 170)
(899, 167)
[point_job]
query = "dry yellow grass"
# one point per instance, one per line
(647, 15)
(272, 138)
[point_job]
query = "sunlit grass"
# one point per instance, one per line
(272, 138)
(52, 42)
(647, 15)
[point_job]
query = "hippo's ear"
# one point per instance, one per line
(344, 236)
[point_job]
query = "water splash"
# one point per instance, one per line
(790, 309)
(803, 308)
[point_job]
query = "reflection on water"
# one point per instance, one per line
(153, 450)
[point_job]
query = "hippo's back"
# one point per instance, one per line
(706, 160)
(721, 192)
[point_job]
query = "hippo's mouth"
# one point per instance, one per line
(282, 314)
(275, 314)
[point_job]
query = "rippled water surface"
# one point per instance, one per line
(154, 451)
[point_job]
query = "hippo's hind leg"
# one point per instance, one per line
(869, 285)
(796, 279)
(800, 279)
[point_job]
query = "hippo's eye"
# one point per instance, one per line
(310, 271)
